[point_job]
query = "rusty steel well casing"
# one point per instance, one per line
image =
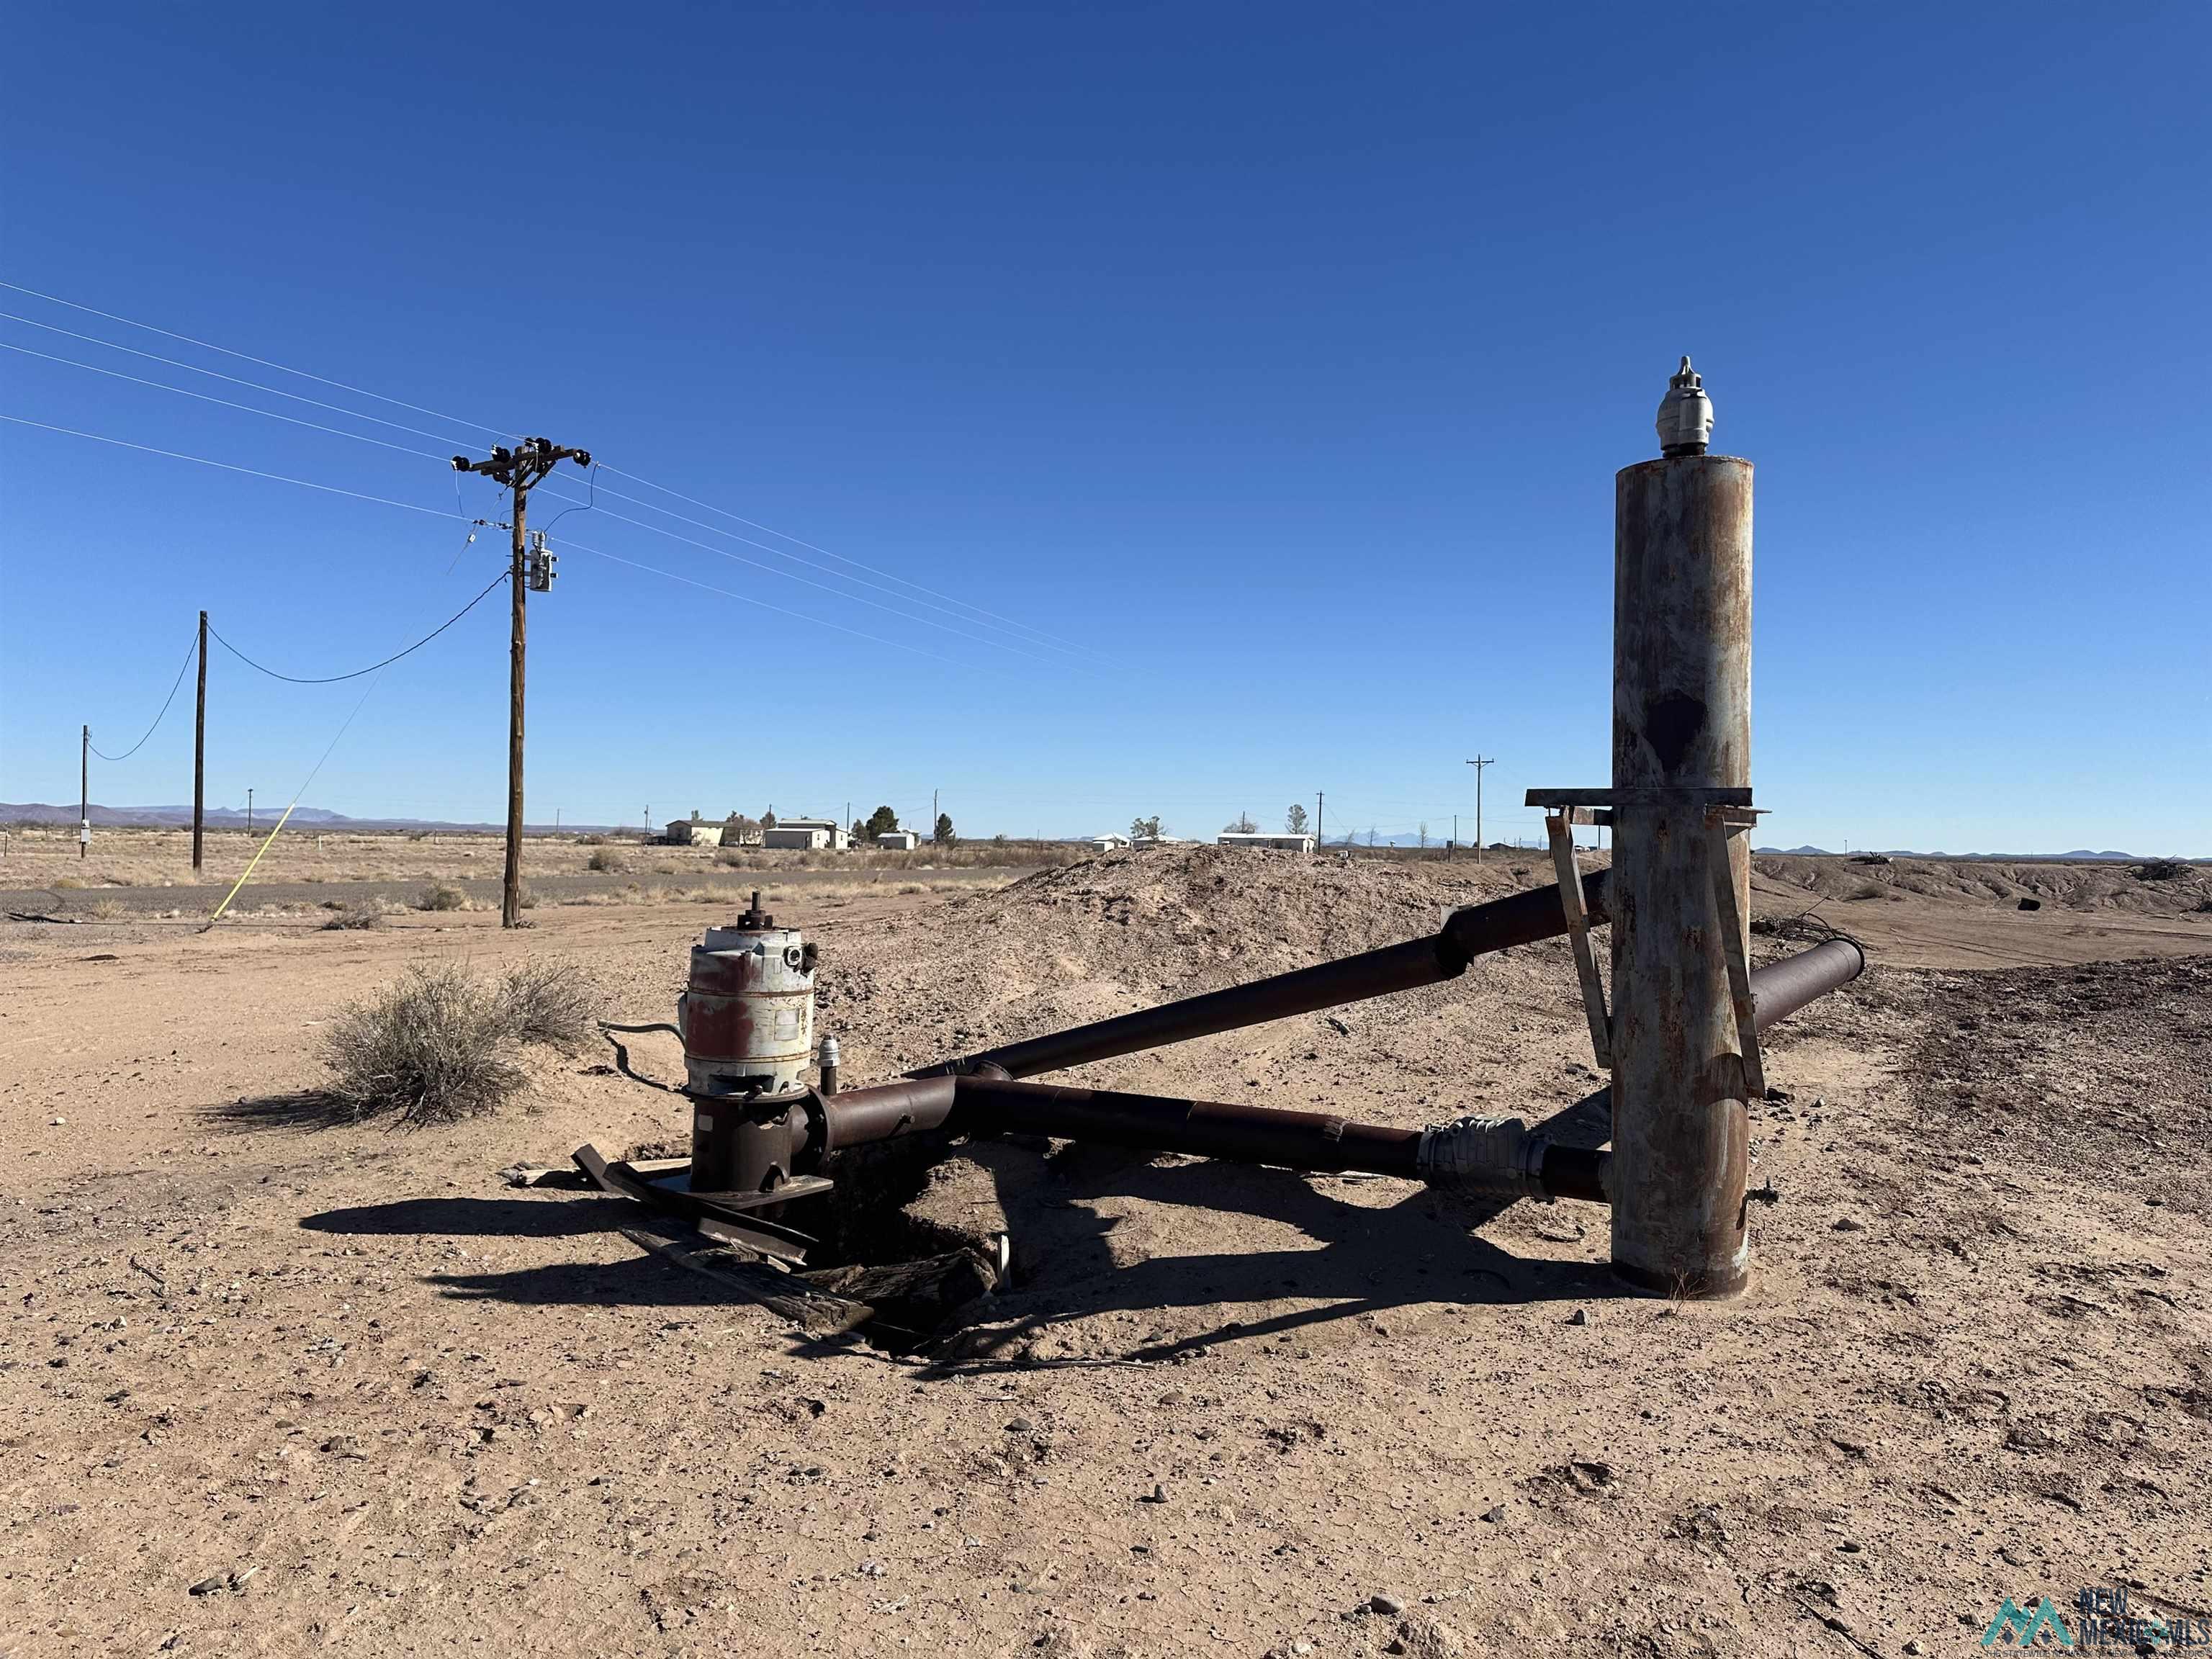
(747, 1011)
(1681, 723)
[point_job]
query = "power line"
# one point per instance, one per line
(332, 679)
(245, 356)
(573, 545)
(165, 702)
(205, 398)
(358, 437)
(251, 471)
(739, 558)
(1041, 638)
(843, 559)
(1037, 635)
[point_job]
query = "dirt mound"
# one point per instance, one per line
(1115, 932)
(2082, 887)
(2099, 1069)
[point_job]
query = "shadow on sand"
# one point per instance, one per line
(1360, 1261)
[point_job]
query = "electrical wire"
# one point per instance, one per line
(572, 546)
(332, 679)
(251, 471)
(589, 504)
(983, 616)
(245, 356)
(189, 651)
(716, 529)
(739, 558)
(840, 557)
(205, 398)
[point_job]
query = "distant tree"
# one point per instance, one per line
(859, 828)
(881, 821)
(1424, 835)
(1295, 820)
(1243, 826)
(999, 840)
(1145, 829)
(1371, 835)
(943, 836)
(740, 827)
(768, 819)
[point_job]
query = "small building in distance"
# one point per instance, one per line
(900, 841)
(809, 835)
(1286, 843)
(1109, 843)
(693, 832)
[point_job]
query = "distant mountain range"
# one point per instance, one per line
(2079, 855)
(233, 818)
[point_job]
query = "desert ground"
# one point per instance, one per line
(276, 1382)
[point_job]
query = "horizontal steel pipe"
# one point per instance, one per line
(1204, 1128)
(1519, 919)
(1781, 988)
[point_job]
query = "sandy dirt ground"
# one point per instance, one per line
(271, 1385)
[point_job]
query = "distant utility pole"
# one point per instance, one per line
(1454, 852)
(199, 749)
(84, 793)
(517, 471)
(1478, 764)
(249, 812)
(1318, 799)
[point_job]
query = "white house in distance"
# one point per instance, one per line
(1286, 843)
(692, 832)
(1109, 843)
(808, 834)
(900, 841)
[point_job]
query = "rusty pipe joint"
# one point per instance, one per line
(1483, 1157)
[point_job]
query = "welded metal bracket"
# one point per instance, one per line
(1571, 901)
(1721, 822)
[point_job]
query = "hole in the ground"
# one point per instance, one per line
(923, 1278)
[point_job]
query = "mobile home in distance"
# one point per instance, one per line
(903, 840)
(808, 834)
(1109, 843)
(1279, 843)
(692, 832)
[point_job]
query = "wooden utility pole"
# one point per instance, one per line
(1478, 764)
(84, 793)
(199, 749)
(517, 470)
(1318, 799)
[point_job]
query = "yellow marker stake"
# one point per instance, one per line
(248, 876)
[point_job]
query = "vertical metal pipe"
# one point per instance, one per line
(1682, 714)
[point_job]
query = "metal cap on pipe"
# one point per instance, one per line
(1686, 414)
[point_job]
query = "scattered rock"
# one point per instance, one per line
(1579, 1316)
(1849, 1225)
(210, 1586)
(1386, 1604)
(1494, 1514)
(1158, 1495)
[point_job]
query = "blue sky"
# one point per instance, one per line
(1275, 362)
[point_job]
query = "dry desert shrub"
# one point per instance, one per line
(105, 910)
(436, 1046)
(551, 1000)
(442, 896)
(358, 916)
(606, 861)
(2160, 869)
